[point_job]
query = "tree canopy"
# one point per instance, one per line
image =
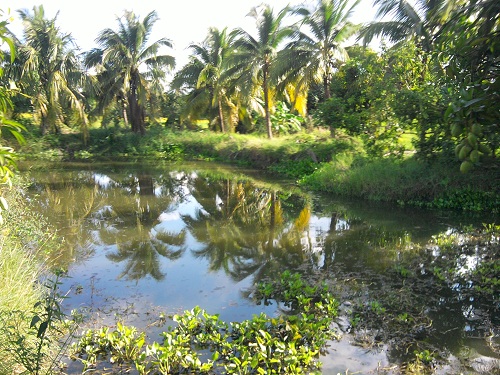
(127, 66)
(435, 75)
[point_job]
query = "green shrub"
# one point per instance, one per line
(407, 182)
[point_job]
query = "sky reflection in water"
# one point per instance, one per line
(141, 241)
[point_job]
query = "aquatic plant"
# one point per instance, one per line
(201, 342)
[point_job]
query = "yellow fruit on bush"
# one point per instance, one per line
(456, 130)
(464, 152)
(466, 166)
(474, 156)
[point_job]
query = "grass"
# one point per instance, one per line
(21, 238)
(408, 182)
(383, 179)
(277, 155)
(19, 291)
(337, 165)
(19, 273)
(23, 235)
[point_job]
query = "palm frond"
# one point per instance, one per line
(393, 30)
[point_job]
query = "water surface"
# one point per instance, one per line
(143, 240)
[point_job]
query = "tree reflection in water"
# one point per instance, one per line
(145, 221)
(140, 249)
(242, 228)
(245, 230)
(141, 256)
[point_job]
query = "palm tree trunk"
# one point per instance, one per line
(43, 125)
(328, 95)
(221, 116)
(136, 110)
(326, 87)
(124, 111)
(136, 115)
(265, 86)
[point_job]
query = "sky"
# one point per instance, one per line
(182, 21)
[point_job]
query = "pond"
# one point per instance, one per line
(142, 241)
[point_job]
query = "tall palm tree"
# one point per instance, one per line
(50, 72)
(254, 58)
(419, 19)
(317, 52)
(203, 76)
(7, 163)
(128, 67)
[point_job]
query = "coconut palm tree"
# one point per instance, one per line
(127, 67)
(403, 20)
(318, 51)
(7, 154)
(254, 58)
(203, 76)
(49, 70)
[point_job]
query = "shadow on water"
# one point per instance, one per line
(140, 240)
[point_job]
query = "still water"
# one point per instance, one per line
(140, 241)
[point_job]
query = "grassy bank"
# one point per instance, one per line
(317, 161)
(294, 156)
(19, 288)
(438, 185)
(24, 241)
(19, 292)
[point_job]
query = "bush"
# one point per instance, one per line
(411, 181)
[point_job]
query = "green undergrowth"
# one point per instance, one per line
(203, 344)
(411, 182)
(24, 243)
(335, 165)
(292, 155)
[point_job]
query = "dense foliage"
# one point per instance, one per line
(427, 99)
(402, 121)
(433, 89)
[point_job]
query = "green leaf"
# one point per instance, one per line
(449, 111)
(34, 321)
(42, 329)
(19, 137)
(255, 362)
(471, 102)
(3, 203)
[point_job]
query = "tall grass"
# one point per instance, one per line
(19, 275)
(19, 291)
(21, 237)
(410, 181)
(383, 179)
